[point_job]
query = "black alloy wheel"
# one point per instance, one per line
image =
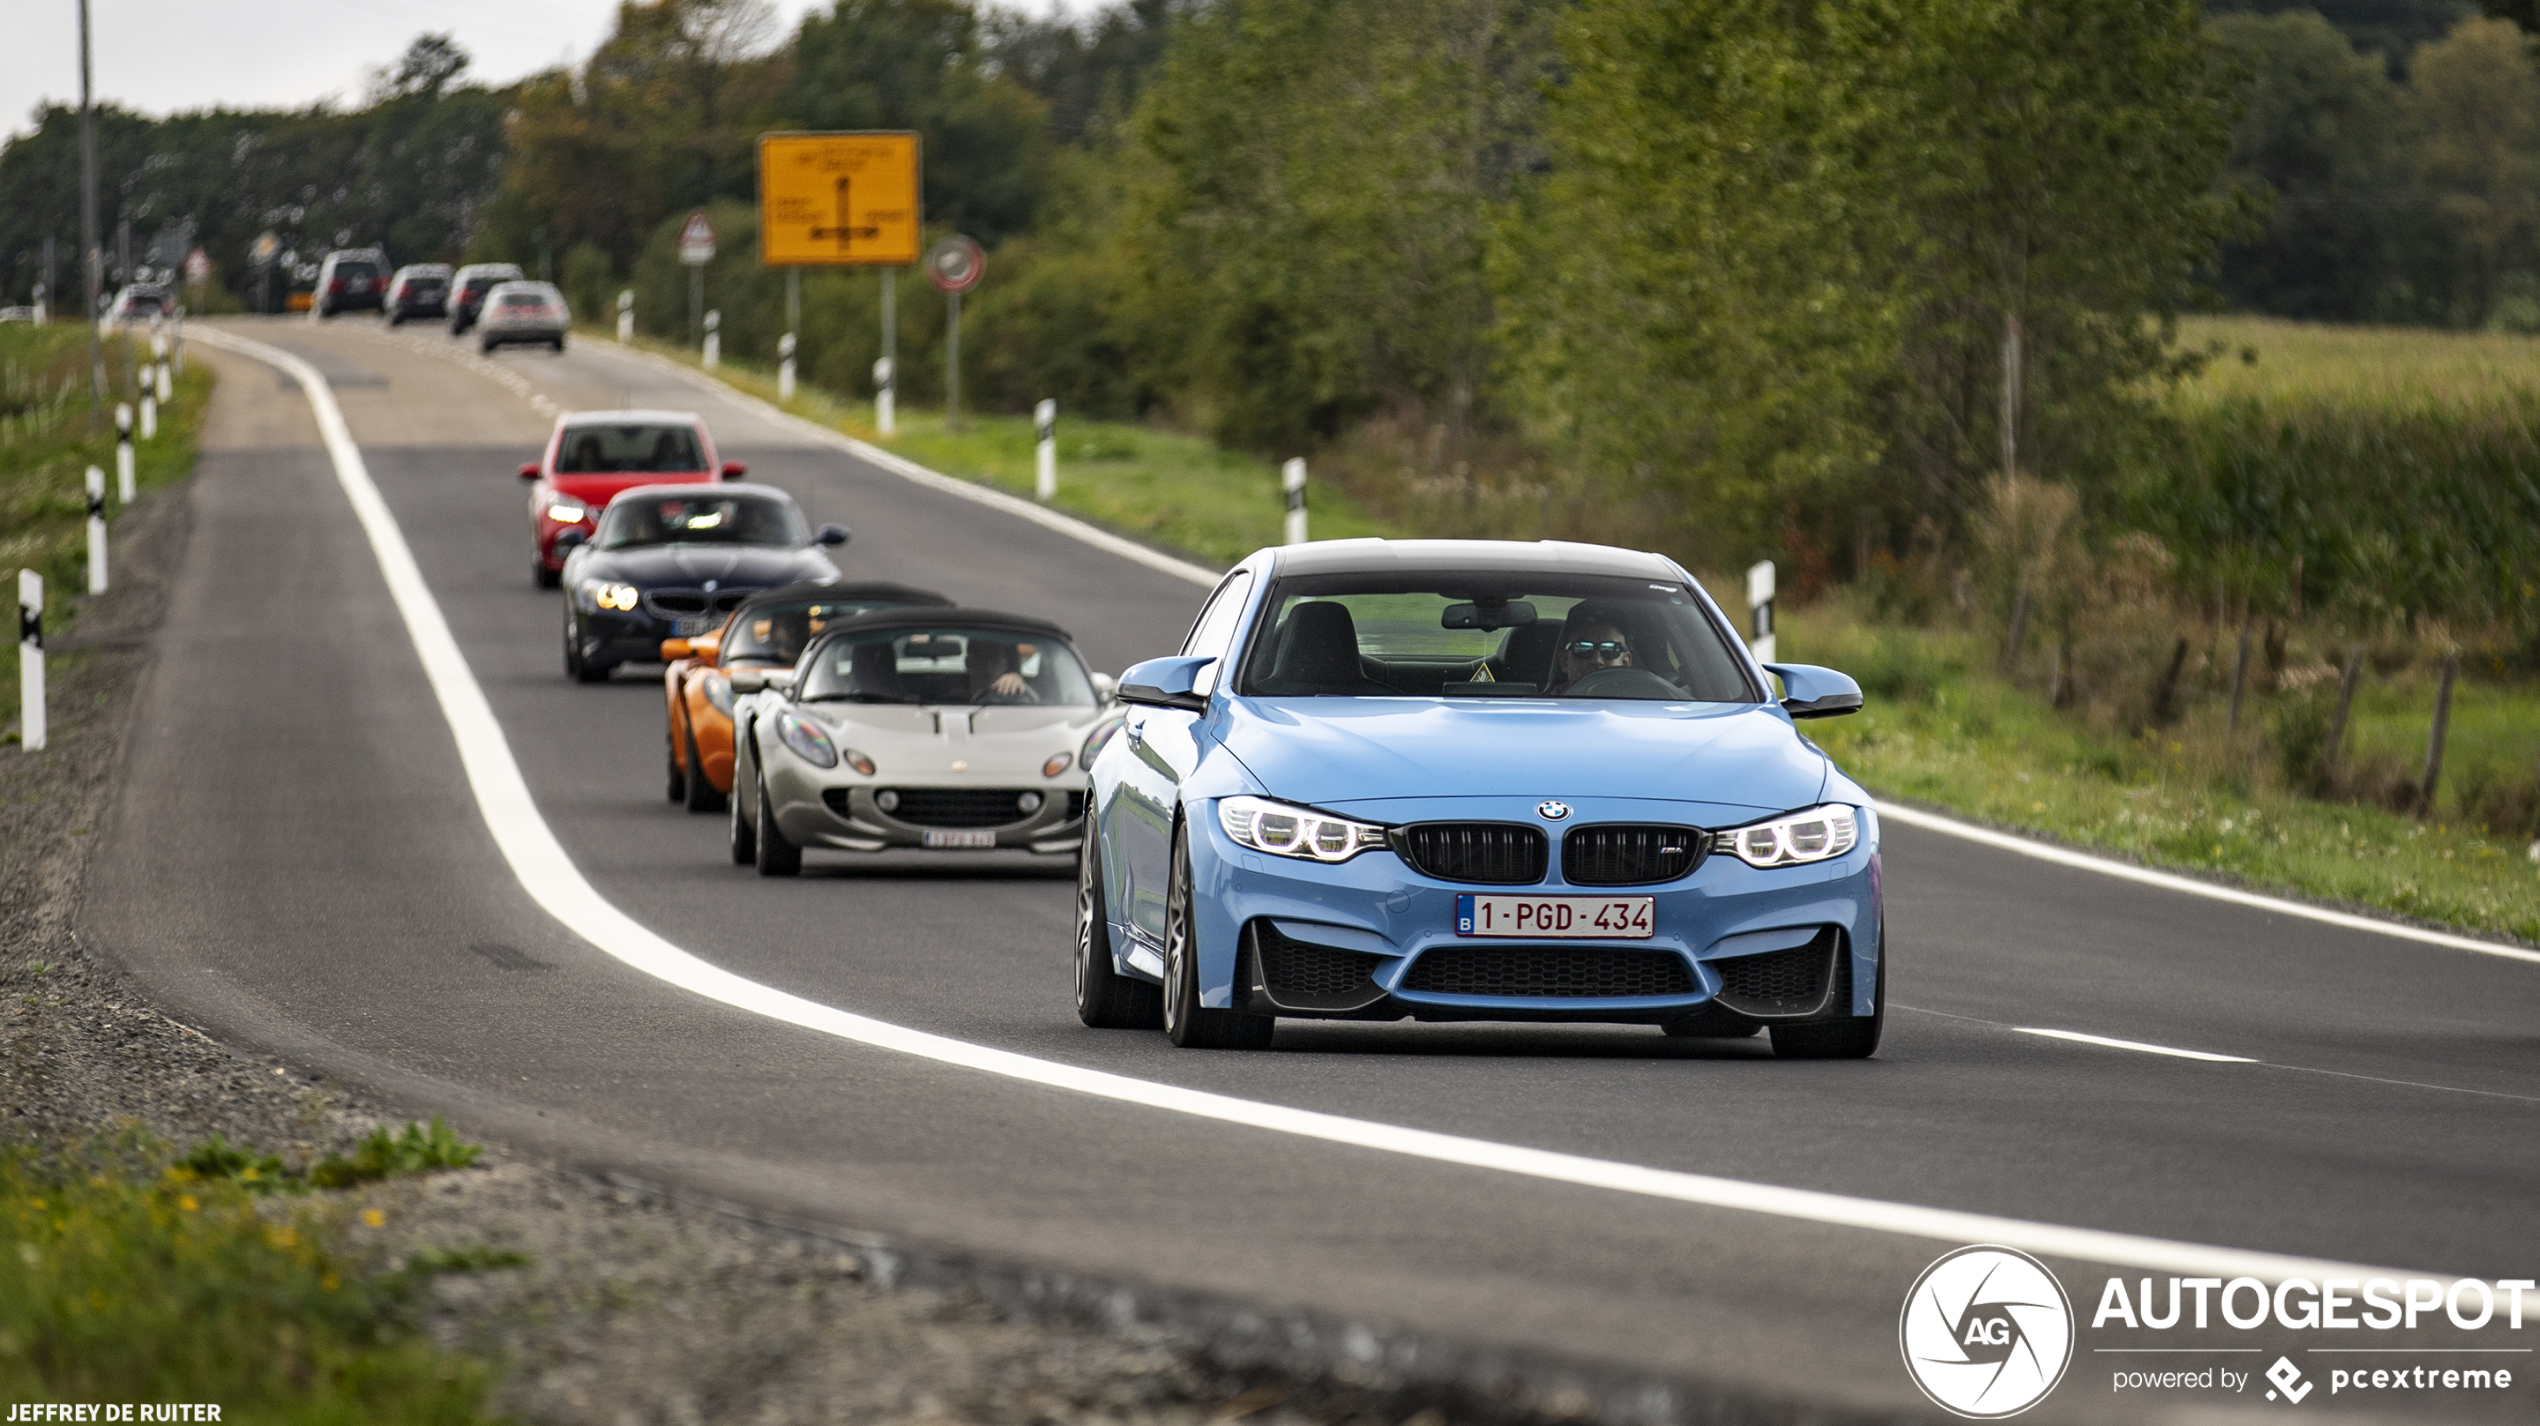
(701, 796)
(776, 856)
(1105, 999)
(1187, 1023)
(744, 831)
(543, 577)
(583, 670)
(1852, 1037)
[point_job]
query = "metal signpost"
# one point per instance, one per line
(842, 200)
(955, 266)
(696, 248)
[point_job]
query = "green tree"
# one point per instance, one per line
(2476, 100)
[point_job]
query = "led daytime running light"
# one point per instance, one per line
(1286, 831)
(1816, 835)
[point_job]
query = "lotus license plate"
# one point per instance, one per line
(1555, 918)
(962, 841)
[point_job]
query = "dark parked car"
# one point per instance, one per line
(352, 280)
(468, 289)
(419, 291)
(665, 553)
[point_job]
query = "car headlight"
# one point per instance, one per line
(1286, 831)
(718, 692)
(565, 512)
(604, 594)
(1095, 740)
(806, 739)
(1816, 835)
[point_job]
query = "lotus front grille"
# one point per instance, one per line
(1621, 855)
(952, 807)
(1477, 853)
(1549, 972)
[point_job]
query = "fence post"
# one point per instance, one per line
(2165, 693)
(2337, 721)
(96, 530)
(1759, 605)
(785, 367)
(30, 660)
(2239, 677)
(714, 339)
(1292, 478)
(2434, 739)
(625, 316)
(123, 452)
(1045, 429)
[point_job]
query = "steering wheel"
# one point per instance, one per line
(1622, 682)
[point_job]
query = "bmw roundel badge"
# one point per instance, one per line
(1553, 811)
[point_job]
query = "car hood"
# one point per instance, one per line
(1331, 752)
(996, 745)
(729, 566)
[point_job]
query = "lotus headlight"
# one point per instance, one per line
(566, 512)
(718, 692)
(1283, 830)
(807, 739)
(1095, 740)
(1816, 835)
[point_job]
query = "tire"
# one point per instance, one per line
(1105, 999)
(395, 322)
(486, 348)
(743, 832)
(559, 346)
(1855, 1037)
(776, 856)
(701, 796)
(543, 577)
(1187, 1023)
(676, 777)
(583, 670)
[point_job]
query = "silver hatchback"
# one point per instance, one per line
(523, 312)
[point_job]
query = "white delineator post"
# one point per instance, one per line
(149, 405)
(626, 316)
(30, 660)
(1292, 479)
(1759, 603)
(1045, 428)
(123, 452)
(785, 367)
(882, 412)
(714, 339)
(96, 530)
(159, 366)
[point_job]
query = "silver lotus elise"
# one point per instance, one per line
(946, 729)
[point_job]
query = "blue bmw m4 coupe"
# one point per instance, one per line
(1477, 780)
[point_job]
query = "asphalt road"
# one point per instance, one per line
(297, 861)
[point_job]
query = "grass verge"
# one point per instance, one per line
(130, 1274)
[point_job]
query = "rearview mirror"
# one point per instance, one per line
(832, 535)
(1106, 687)
(734, 470)
(757, 680)
(529, 470)
(1509, 614)
(1812, 692)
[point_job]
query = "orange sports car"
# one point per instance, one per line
(768, 631)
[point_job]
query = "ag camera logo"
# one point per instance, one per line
(1986, 1332)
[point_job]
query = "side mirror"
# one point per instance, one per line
(758, 680)
(832, 535)
(570, 539)
(706, 647)
(734, 470)
(1812, 692)
(529, 470)
(1106, 687)
(1165, 683)
(674, 649)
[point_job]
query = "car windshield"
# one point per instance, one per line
(648, 447)
(701, 519)
(1485, 634)
(778, 633)
(947, 665)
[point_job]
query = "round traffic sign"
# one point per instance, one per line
(955, 264)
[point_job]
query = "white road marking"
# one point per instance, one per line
(2104, 1042)
(548, 874)
(2190, 886)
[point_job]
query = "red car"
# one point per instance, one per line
(594, 456)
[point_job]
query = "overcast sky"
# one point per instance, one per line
(159, 56)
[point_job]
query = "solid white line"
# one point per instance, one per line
(548, 874)
(2190, 886)
(2079, 1038)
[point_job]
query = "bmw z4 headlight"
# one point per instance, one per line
(1282, 830)
(806, 739)
(718, 692)
(604, 594)
(1816, 835)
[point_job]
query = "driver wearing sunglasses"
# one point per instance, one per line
(1588, 643)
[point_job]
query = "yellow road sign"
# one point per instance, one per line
(838, 199)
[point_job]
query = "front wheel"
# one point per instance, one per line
(1187, 1023)
(776, 856)
(744, 831)
(543, 577)
(701, 796)
(1105, 999)
(1854, 1037)
(676, 783)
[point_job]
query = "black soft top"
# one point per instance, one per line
(813, 592)
(938, 617)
